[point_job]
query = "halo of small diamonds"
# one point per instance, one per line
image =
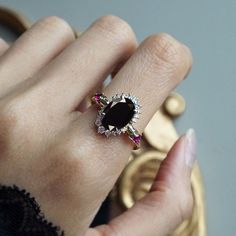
(117, 115)
(116, 99)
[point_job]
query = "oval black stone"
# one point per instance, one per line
(118, 114)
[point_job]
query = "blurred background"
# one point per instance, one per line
(208, 28)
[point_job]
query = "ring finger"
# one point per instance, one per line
(84, 64)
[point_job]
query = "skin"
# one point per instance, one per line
(50, 147)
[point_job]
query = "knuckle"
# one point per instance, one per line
(164, 47)
(9, 113)
(9, 126)
(113, 26)
(14, 119)
(167, 50)
(55, 23)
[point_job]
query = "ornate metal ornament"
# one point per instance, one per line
(140, 172)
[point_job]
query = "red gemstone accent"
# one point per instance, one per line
(97, 97)
(137, 139)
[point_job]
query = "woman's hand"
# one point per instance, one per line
(48, 143)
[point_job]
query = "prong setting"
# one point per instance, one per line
(104, 102)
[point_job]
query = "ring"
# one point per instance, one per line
(117, 116)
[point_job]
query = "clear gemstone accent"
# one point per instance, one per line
(98, 121)
(107, 133)
(114, 133)
(101, 129)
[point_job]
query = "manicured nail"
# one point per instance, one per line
(190, 148)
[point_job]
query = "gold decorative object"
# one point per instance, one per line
(160, 135)
(140, 172)
(16, 21)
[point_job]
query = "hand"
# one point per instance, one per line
(49, 144)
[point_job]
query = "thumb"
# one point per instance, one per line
(169, 201)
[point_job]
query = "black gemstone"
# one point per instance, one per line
(118, 114)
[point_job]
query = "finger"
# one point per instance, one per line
(169, 201)
(158, 65)
(3, 46)
(152, 73)
(34, 49)
(86, 103)
(86, 63)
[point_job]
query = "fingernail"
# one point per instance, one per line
(190, 148)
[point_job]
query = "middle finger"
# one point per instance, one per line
(85, 64)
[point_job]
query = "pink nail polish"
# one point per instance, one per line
(190, 148)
